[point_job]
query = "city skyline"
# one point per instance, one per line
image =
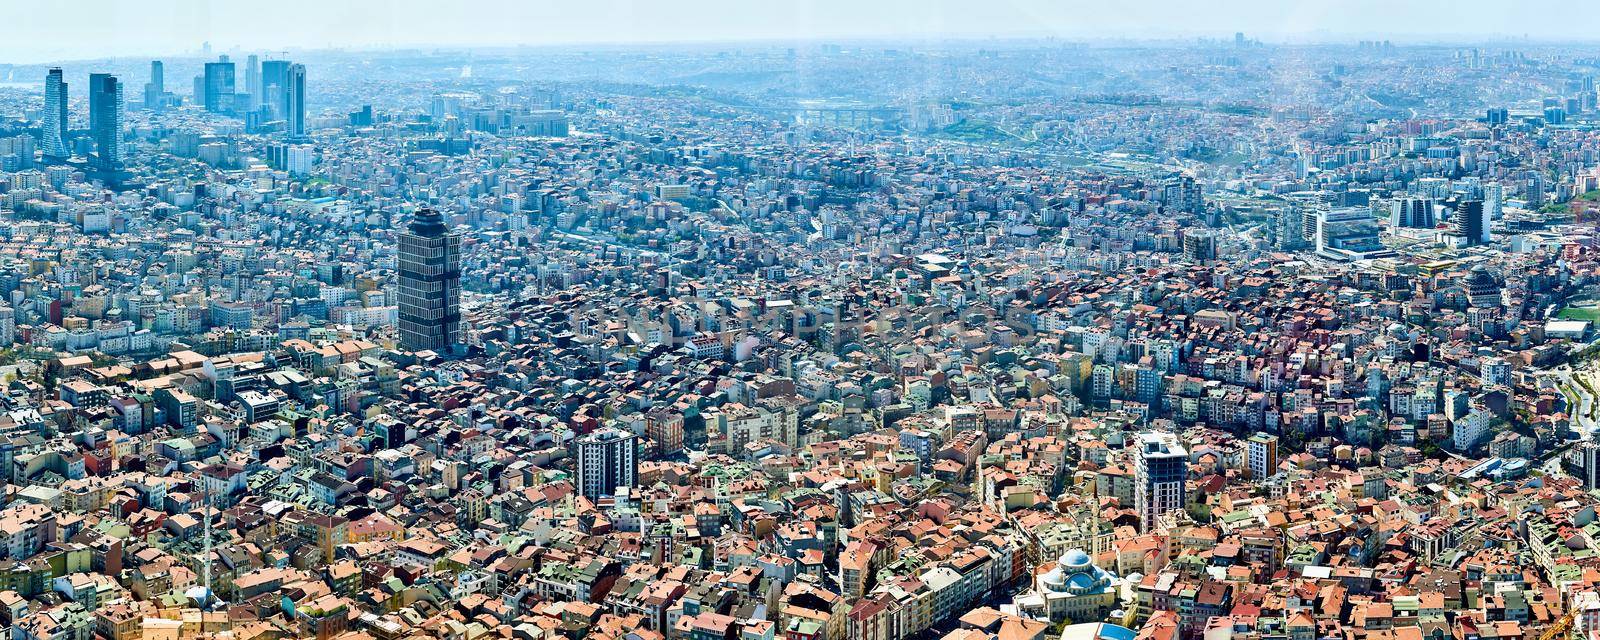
(108, 28)
(942, 336)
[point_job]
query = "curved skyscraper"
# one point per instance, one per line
(55, 116)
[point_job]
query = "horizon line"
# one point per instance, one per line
(1292, 39)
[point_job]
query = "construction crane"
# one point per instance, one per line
(1560, 628)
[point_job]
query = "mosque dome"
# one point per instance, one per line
(1075, 574)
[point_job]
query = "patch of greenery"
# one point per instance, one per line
(968, 129)
(1240, 110)
(1591, 314)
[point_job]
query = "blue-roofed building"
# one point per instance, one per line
(1073, 589)
(1097, 631)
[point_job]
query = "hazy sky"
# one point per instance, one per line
(42, 30)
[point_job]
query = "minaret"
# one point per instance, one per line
(205, 555)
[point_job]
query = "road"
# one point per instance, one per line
(1586, 427)
(1586, 401)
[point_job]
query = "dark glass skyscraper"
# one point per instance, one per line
(274, 86)
(429, 264)
(219, 87)
(105, 119)
(295, 101)
(55, 116)
(1471, 221)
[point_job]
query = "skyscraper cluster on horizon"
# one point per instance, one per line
(273, 99)
(274, 91)
(106, 108)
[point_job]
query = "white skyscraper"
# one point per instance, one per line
(252, 82)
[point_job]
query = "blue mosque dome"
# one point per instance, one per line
(1073, 588)
(1075, 574)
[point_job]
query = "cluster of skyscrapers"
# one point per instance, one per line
(273, 99)
(1469, 219)
(105, 120)
(274, 91)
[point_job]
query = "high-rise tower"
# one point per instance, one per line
(105, 119)
(274, 86)
(608, 459)
(1160, 477)
(55, 116)
(1471, 223)
(219, 87)
(156, 88)
(429, 284)
(1414, 213)
(252, 82)
(295, 101)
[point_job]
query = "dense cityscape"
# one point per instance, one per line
(1013, 339)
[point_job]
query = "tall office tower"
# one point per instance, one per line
(1411, 213)
(55, 116)
(252, 82)
(294, 100)
(1470, 224)
(1263, 455)
(430, 284)
(105, 119)
(274, 83)
(608, 459)
(219, 87)
(1159, 476)
(157, 86)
